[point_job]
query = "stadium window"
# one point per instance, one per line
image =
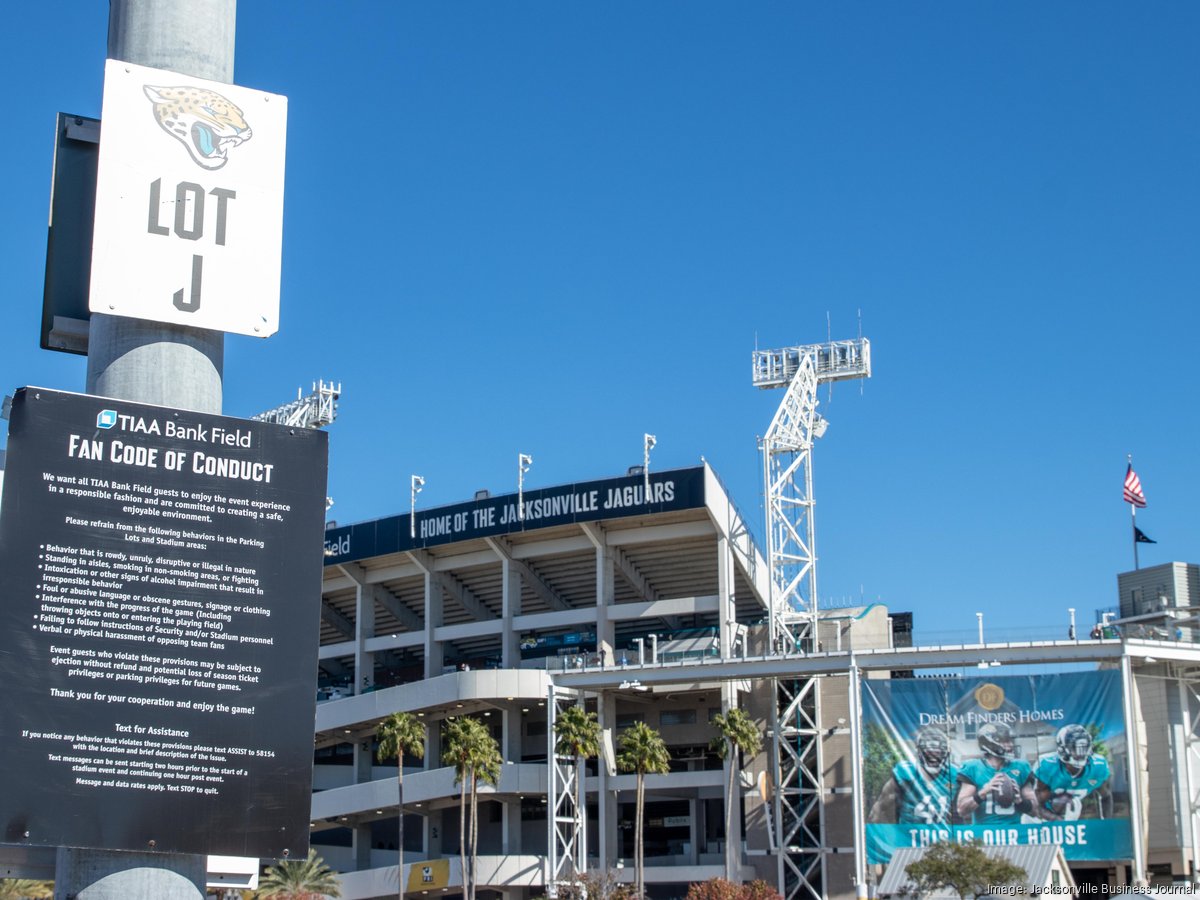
(535, 729)
(625, 720)
(677, 717)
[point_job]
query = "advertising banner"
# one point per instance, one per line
(161, 576)
(1036, 759)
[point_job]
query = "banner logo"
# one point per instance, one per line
(207, 124)
(989, 696)
(107, 418)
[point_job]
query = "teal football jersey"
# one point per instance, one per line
(979, 773)
(1054, 775)
(924, 799)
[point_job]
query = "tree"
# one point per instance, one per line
(475, 756)
(401, 733)
(642, 751)
(299, 879)
(714, 889)
(720, 889)
(25, 889)
(485, 768)
(577, 735)
(964, 868)
(736, 732)
(600, 885)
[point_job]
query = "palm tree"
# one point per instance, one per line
(485, 768)
(642, 751)
(736, 732)
(296, 879)
(456, 752)
(401, 733)
(578, 736)
(475, 756)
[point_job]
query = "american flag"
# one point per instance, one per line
(1133, 488)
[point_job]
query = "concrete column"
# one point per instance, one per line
(434, 609)
(361, 842)
(510, 734)
(510, 601)
(605, 598)
(726, 603)
(695, 831)
(433, 746)
(606, 799)
(364, 628)
(510, 842)
(433, 835)
(364, 761)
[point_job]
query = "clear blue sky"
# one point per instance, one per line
(550, 227)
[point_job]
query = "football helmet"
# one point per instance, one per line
(996, 739)
(933, 749)
(1074, 745)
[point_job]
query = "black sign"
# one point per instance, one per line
(158, 637)
(587, 501)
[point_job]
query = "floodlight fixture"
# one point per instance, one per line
(524, 462)
(648, 442)
(417, 483)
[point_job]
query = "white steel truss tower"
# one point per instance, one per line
(316, 410)
(798, 807)
(566, 821)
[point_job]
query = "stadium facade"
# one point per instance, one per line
(645, 597)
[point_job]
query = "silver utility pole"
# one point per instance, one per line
(152, 362)
(168, 365)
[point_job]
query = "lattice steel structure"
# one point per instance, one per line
(316, 410)
(798, 807)
(566, 822)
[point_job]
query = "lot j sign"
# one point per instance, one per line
(189, 202)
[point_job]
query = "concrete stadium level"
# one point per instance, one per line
(652, 602)
(480, 619)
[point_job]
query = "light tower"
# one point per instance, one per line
(796, 762)
(316, 410)
(787, 472)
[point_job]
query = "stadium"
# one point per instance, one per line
(645, 598)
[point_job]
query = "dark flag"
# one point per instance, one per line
(1139, 537)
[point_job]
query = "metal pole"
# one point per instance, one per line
(151, 362)
(856, 784)
(1133, 534)
(1135, 781)
(168, 365)
(979, 619)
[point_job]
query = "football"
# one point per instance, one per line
(1005, 791)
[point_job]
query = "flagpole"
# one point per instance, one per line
(1133, 520)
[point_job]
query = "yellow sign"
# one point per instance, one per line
(433, 873)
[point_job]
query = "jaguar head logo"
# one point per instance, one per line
(207, 124)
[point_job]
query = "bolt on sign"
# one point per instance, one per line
(189, 202)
